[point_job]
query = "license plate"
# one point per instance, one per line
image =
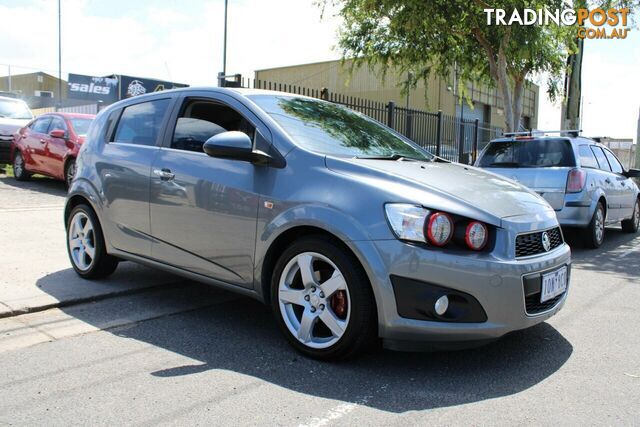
(553, 284)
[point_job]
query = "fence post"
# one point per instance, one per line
(391, 113)
(461, 141)
(409, 125)
(439, 134)
(475, 141)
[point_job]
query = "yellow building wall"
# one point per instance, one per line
(437, 94)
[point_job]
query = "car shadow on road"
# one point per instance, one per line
(241, 336)
(619, 253)
(41, 184)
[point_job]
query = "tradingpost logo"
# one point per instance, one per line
(602, 23)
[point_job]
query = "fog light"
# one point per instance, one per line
(442, 304)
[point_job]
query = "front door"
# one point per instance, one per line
(204, 209)
(55, 149)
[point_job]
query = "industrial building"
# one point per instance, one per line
(438, 94)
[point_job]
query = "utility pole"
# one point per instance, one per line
(59, 57)
(224, 49)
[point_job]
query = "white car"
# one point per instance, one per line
(14, 114)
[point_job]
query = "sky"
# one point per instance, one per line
(182, 41)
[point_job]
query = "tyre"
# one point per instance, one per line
(20, 173)
(633, 224)
(595, 231)
(322, 300)
(85, 245)
(69, 172)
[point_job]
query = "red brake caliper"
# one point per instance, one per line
(339, 303)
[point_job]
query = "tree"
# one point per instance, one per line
(434, 36)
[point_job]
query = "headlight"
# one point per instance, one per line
(407, 221)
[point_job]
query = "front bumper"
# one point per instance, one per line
(496, 283)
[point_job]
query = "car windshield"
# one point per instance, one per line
(80, 126)
(11, 109)
(528, 153)
(328, 128)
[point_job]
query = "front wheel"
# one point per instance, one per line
(85, 245)
(322, 300)
(595, 230)
(632, 224)
(19, 171)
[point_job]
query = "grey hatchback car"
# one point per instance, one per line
(349, 231)
(582, 180)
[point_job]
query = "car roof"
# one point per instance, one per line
(534, 138)
(70, 115)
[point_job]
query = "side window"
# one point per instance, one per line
(199, 120)
(140, 123)
(601, 158)
(616, 167)
(587, 159)
(41, 125)
(57, 123)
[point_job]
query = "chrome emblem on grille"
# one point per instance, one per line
(546, 241)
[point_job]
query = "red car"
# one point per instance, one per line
(49, 145)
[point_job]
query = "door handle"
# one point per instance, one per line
(608, 181)
(164, 174)
(42, 141)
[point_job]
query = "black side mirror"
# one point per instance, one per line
(632, 173)
(236, 146)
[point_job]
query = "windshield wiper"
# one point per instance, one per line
(394, 156)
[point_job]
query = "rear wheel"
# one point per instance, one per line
(85, 245)
(633, 224)
(19, 171)
(595, 231)
(69, 172)
(322, 300)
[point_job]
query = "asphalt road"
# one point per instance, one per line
(188, 354)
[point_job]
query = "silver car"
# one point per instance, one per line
(14, 114)
(349, 231)
(581, 179)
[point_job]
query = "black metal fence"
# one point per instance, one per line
(450, 137)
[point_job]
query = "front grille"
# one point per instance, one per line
(534, 306)
(531, 243)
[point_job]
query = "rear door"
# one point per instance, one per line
(542, 164)
(36, 140)
(124, 168)
(624, 186)
(607, 180)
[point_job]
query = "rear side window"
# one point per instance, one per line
(587, 159)
(140, 123)
(528, 153)
(601, 158)
(616, 167)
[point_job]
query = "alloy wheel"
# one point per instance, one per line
(82, 241)
(314, 300)
(599, 225)
(18, 165)
(71, 172)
